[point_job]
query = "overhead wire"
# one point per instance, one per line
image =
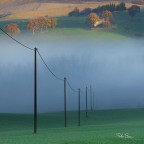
(48, 67)
(71, 87)
(15, 39)
(54, 74)
(41, 59)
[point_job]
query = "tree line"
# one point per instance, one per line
(102, 15)
(41, 23)
(110, 7)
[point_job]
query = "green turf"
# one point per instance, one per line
(100, 127)
(77, 25)
(71, 22)
(134, 25)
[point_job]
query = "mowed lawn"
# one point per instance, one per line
(101, 127)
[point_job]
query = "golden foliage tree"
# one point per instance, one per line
(33, 25)
(107, 15)
(12, 28)
(43, 22)
(92, 19)
(48, 23)
(53, 23)
(107, 23)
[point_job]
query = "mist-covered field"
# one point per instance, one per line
(101, 127)
(111, 63)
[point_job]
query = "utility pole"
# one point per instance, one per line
(65, 108)
(86, 103)
(91, 97)
(93, 101)
(35, 90)
(79, 107)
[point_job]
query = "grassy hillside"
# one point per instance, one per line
(101, 127)
(129, 26)
(69, 25)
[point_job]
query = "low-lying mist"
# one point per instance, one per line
(114, 68)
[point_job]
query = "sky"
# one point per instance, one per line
(114, 69)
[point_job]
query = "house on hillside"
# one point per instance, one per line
(99, 22)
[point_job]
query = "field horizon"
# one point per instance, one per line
(101, 127)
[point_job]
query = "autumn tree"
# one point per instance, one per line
(92, 19)
(33, 25)
(133, 10)
(53, 23)
(106, 23)
(48, 23)
(43, 23)
(12, 28)
(107, 15)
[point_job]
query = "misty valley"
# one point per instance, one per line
(114, 68)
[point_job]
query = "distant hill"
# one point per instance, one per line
(43, 1)
(14, 1)
(27, 9)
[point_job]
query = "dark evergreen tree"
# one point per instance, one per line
(133, 10)
(85, 12)
(75, 12)
(121, 7)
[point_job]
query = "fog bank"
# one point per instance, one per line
(114, 68)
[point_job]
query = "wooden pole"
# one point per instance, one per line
(35, 90)
(65, 108)
(78, 107)
(86, 103)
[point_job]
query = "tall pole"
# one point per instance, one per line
(35, 90)
(79, 107)
(86, 103)
(65, 116)
(91, 97)
(93, 102)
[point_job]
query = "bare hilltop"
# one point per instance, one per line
(24, 9)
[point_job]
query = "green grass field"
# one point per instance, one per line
(125, 25)
(134, 25)
(101, 127)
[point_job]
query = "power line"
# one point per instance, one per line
(71, 87)
(40, 57)
(15, 39)
(54, 74)
(49, 68)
